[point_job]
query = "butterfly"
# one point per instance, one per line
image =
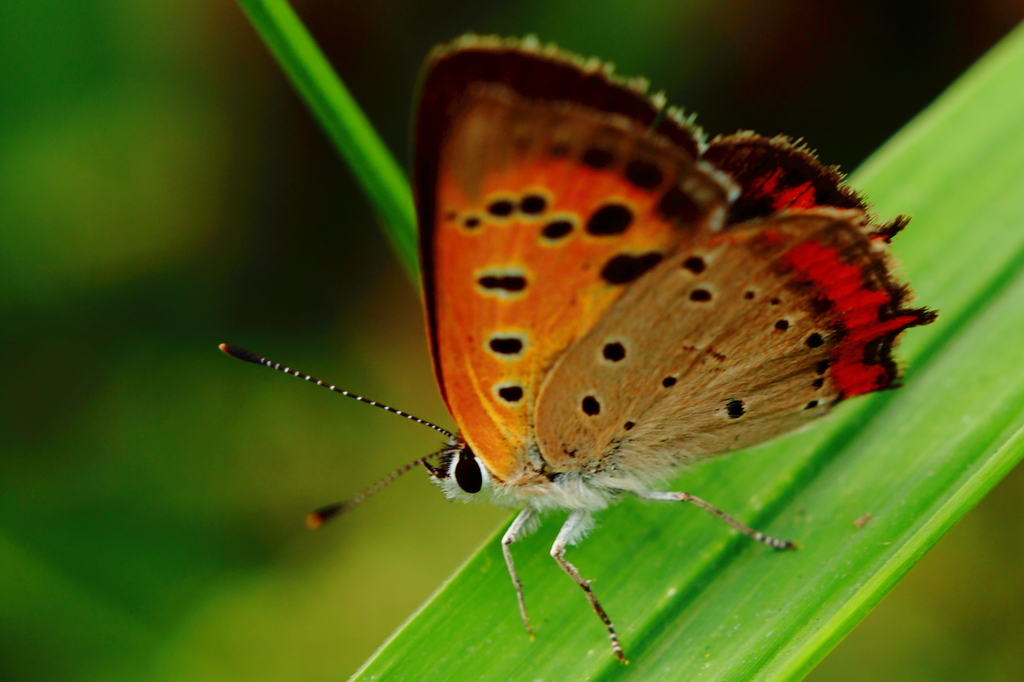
(609, 296)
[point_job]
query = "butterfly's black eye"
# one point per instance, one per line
(467, 472)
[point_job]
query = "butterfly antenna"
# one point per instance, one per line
(243, 354)
(317, 518)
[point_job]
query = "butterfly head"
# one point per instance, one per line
(460, 473)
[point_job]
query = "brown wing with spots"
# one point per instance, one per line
(536, 210)
(733, 340)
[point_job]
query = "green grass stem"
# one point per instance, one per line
(375, 169)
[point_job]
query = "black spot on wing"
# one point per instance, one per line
(623, 269)
(507, 282)
(735, 409)
(511, 394)
(609, 220)
(614, 351)
(695, 264)
(676, 204)
(644, 174)
(533, 204)
(700, 295)
(556, 229)
(506, 345)
(501, 208)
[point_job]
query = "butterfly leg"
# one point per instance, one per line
(520, 527)
(577, 523)
(715, 511)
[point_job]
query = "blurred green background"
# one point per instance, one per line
(162, 190)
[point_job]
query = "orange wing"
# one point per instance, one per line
(542, 192)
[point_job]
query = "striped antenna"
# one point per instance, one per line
(317, 518)
(243, 354)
